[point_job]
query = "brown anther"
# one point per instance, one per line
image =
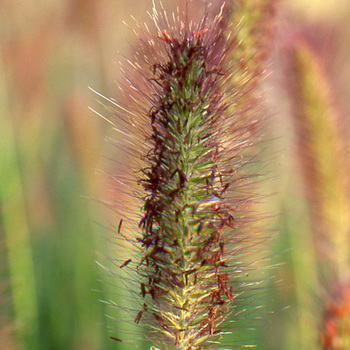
(161, 321)
(117, 339)
(120, 225)
(154, 294)
(138, 316)
(125, 263)
(143, 290)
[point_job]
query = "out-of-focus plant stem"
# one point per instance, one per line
(324, 166)
(15, 228)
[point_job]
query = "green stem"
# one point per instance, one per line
(17, 237)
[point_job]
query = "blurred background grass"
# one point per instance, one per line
(51, 147)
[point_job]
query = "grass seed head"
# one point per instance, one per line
(187, 135)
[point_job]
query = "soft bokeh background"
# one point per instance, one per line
(52, 161)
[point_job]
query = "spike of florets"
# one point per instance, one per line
(191, 135)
